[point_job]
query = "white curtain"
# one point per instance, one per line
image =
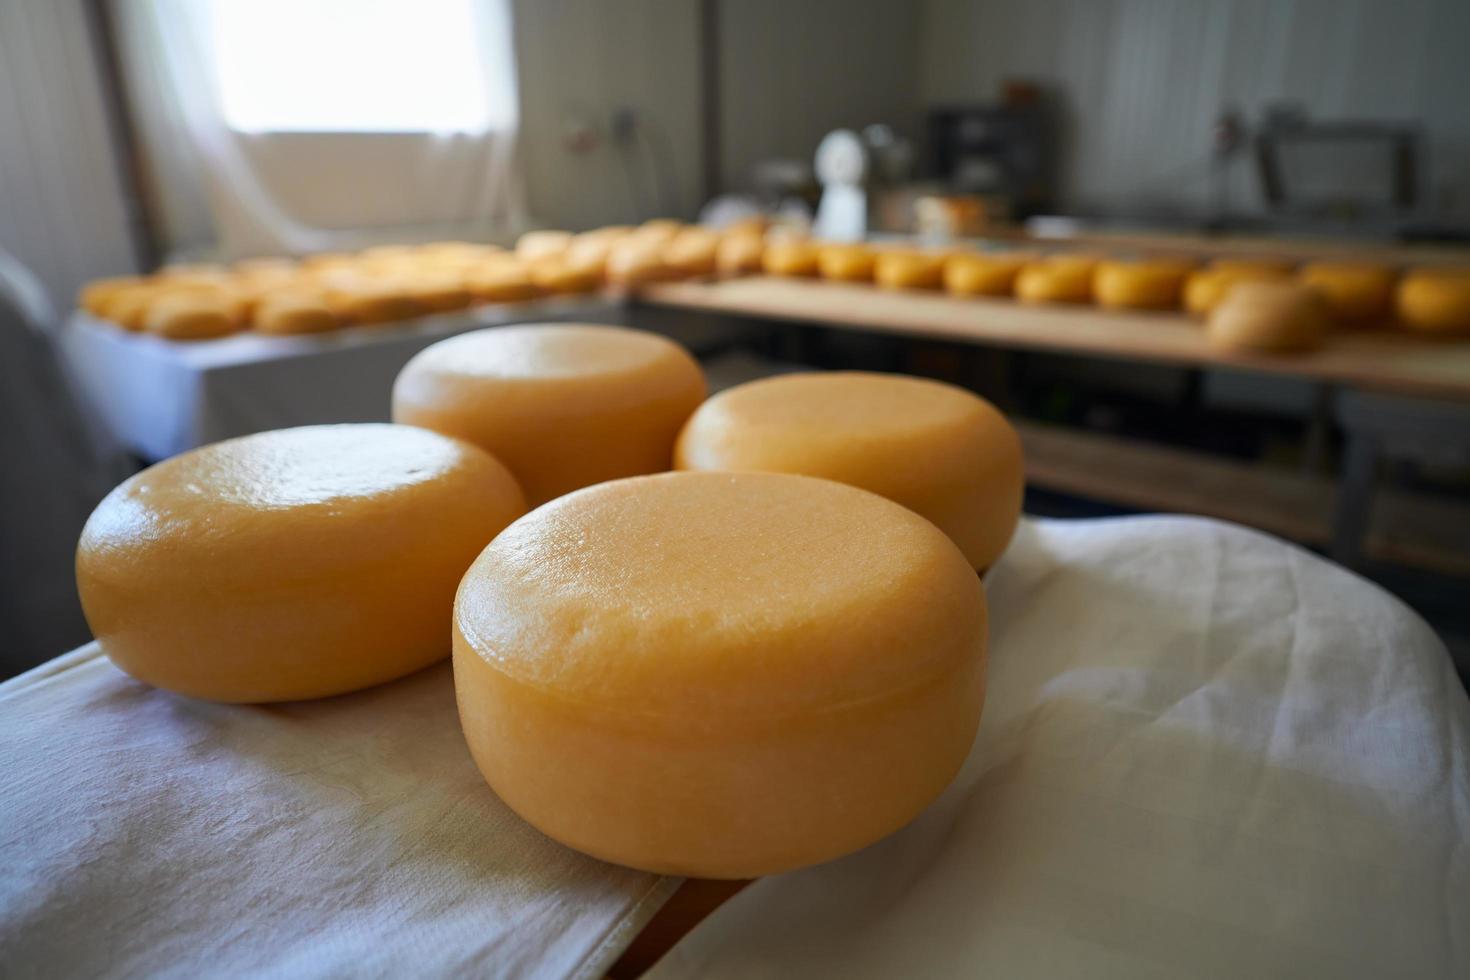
(206, 173)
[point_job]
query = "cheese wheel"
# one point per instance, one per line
(1254, 267)
(294, 313)
(658, 231)
(1352, 290)
(556, 274)
(740, 254)
(363, 300)
(719, 675)
(439, 292)
(293, 564)
(984, 274)
(1056, 279)
(1268, 315)
(1435, 301)
(192, 314)
(563, 405)
(590, 249)
(127, 304)
(270, 268)
(539, 244)
(1151, 284)
(692, 251)
(846, 263)
(908, 269)
(790, 257)
(502, 279)
(1205, 288)
(935, 448)
(635, 260)
(95, 296)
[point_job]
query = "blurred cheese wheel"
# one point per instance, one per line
(539, 244)
(1435, 301)
(1269, 315)
(590, 249)
(369, 301)
(555, 274)
(192, 315)
(1151, 284)
(127, 305)
(908, 269)
(439, 292)
(692, 251)
(846, 263)
(740, 254)
(294, 313)
(719, 675)
(1352, 290)
(790, 257)
(658, 231)
(95, 295)
(1205, 288)
(937, 449)
(975, 274)
(1056, 280)
(270, 268)
(293, 564)
(502, 280)
(635, 260)
(563, 405)
(1261, 268)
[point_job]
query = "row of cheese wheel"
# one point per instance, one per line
(1431, 300)
(772, 657)
(327, 291)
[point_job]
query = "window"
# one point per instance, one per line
(419, 66)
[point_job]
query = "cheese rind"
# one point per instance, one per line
(562, 405)
(719, 675)
(937, 449)
(294, 564)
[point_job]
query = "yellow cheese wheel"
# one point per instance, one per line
(1150, 284)
(984, 274)
(127, 304)
(297, 312)
(692, 251)
(658, 231)
(502, 279)
(365, 300)
(740, 254)
(935, 448)
(719, 675)
(439, 292)
(790, 257)
(192, 314)
(95, 295)
(1254, 267)
(1271, 315)
(1352, 290)
(589, 250)
(638, 259)
(846, 263)
(563, 405)
(908, 269)
(539, 244)
(1056, 280)
(1435, 301)
(293, 564)
(557, 274)
(1205, 288)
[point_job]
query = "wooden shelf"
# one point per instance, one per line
(1379, 360)
(1407, 529)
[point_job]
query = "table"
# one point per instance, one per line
(159, 397)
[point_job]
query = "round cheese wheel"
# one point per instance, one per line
(658, 231)
(563, 405)
(539, 244)
(127, 305)
(984, 274)
(692, 251)
(294, 313)
(589, 250)
(95, 295)
(638, 259)
(293, 564)
(502, 279)
(935, 448)
(908, 269)
(1435, 301)
(557, 274)
(365, 300)
(790, 257)
(192, 314)
(1205, 288)
(439, 292)
(1269, 315)
(1254, 267)
(846, 263)
(1152, 284)
(719, 675)
(740, 254)
(1352, 290)
(1057, 279)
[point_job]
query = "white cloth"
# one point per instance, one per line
(1205, 753)
(144, 834)
(160, 397)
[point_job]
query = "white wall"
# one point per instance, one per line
(1144, 79)
(790, 72)
(61, 198)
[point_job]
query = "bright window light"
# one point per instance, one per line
(353, 66)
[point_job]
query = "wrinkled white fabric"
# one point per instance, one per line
(1205, 753)
(143, 834)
